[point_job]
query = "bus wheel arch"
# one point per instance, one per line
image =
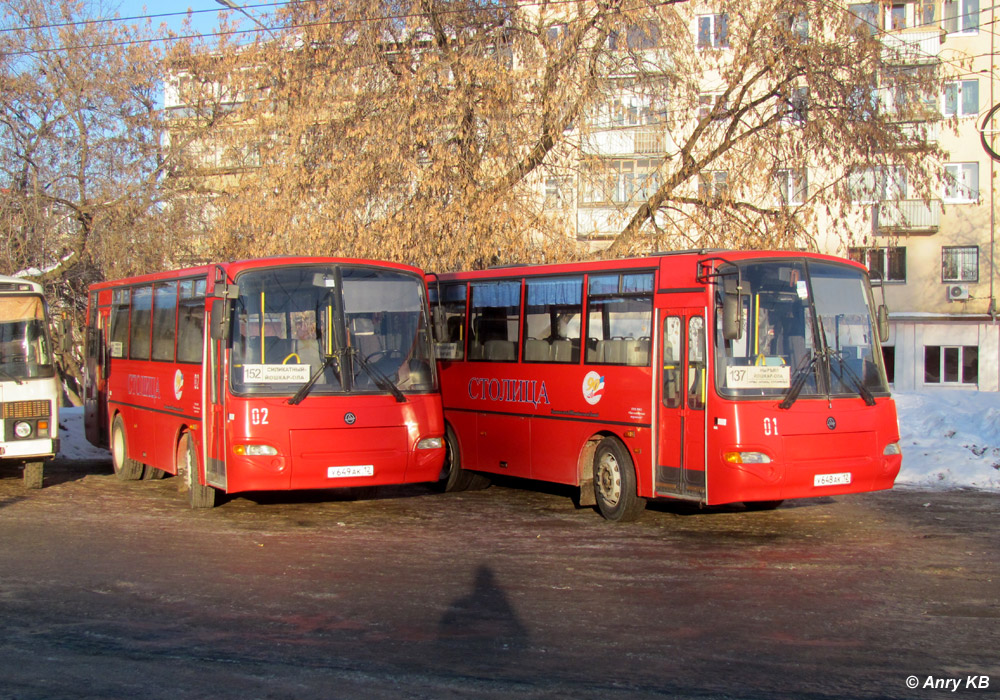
(188, 469)
(126, 468)
(616, 488)
(453, 476)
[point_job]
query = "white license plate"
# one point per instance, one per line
(354, 470)
(832, 479)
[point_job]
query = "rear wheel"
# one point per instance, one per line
(199, 495)
(34, 474)
(126, 468)
(615, 486)
(453, 477)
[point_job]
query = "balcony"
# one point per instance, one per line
(907, 217)
(912, 47)
(628, 141)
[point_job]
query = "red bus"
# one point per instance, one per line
(291, 373)
(709, 376)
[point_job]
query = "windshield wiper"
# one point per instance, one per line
(381, 381)
(307, 387)
(801, 374)
(859, 386)
(11, 377)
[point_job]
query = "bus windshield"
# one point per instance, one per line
(323, 329)
(24, 346)
(806, 331)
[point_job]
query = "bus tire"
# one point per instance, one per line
(615, 485)
(34, 474)
(762, 505)
(199, 495)
(453, 477)
(126, 468)
(153, 474)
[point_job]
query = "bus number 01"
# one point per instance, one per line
(770, 426)
(258, 416)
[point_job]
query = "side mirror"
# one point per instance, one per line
(732, 309)
(883, 323)
(219, 321)
(440, 322)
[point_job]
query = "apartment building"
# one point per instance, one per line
(934, 252)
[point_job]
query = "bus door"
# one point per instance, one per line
(683, 388)
(215, 412)
(95, 395)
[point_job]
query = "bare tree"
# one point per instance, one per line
(431, 131)
(79, 149)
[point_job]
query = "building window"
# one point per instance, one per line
(792, 186)
(713, 184)
(620, 181)
(796, 23)
(889, 362)
(866, 16)
(707, 101)
(871, 185)
(793, 106)
(961, 98)
(960, 264)
(951, 365)
(558, 192)
(961, 16)
(961, 182)
(713, 31)
(886, 264)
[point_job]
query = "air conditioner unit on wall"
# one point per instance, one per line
(958, 292)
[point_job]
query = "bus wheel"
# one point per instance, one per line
(126, 468)
(763, 505)
(152, 473)
(34, 474)
(199, 495)
(453, 477)
(615, 485)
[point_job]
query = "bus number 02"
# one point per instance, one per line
(770, 426)
(258, 416)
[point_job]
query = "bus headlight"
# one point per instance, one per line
(892, 448)
(255, 450)
(22, 429)
(746, 458)
(433, 443)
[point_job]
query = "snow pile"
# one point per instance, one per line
(950, 438)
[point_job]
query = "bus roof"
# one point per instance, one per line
(18, 284)
(234, 268)
(654, 260)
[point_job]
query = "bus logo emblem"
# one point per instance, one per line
(349, 418)
(831, 423)
(593, 387)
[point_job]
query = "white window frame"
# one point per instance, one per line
(716, 38)
(793, 186)
(961, 183)
(960, 87)
(960, 252)
(965, 18)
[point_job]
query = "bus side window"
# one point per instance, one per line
(696, 363)
(673, 344)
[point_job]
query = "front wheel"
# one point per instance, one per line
(200, 495)
(34, 475)
(615, 486)
(126, 468)
(453, 477)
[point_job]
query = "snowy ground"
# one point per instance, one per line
(950, 439)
